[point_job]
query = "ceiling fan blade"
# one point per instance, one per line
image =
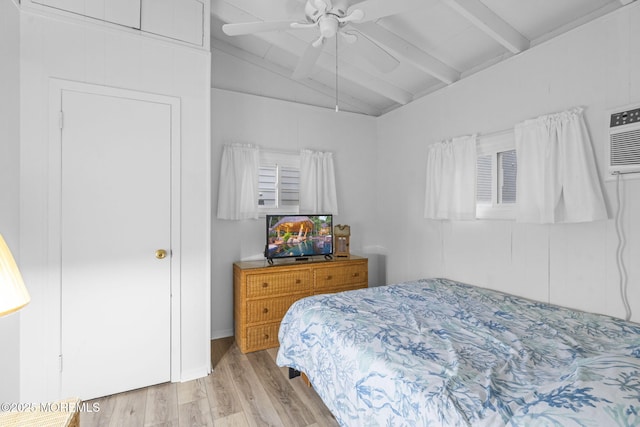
(323, 5)
(255, 27)
(376, 9)
(319, 42)
(356, 15)
(303, 25)
(348, 37)
(308, 59)
(374, 54)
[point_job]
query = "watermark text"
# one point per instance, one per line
(50, 407)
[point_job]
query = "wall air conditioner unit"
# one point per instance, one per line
(623, 145)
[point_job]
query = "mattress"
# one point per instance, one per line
(436, 352)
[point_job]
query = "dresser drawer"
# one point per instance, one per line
(266, 284)
(336, 289)
(340, 277)
(262, 337)
(264, 310)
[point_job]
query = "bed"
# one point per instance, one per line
(436, 352)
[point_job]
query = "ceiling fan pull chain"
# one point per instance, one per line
(337, 109)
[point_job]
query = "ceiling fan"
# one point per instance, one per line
(332, 17)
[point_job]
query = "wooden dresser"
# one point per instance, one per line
(263, 293)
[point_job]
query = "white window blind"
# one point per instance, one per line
(278, 182)
(289, 186)
(484, 181)
(496, 176)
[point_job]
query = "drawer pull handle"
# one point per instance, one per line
(297, 281)
(329, 277)
(355, 275)
(265, 310)
(266, 336)
(265, 285)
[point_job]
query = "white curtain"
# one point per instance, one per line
(238, 190)
(557, 179)
(451, 179)
(317, 183)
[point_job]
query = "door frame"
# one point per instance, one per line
(56, 120)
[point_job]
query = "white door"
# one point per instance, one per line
(115, 214)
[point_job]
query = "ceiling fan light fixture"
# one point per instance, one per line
(328, 26)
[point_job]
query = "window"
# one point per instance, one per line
(278, 182)
(496, 177)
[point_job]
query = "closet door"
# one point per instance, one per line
(115, 244)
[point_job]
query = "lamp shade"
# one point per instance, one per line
(13, 293)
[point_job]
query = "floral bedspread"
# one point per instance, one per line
(436, 352)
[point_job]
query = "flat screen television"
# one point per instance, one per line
(298, 236)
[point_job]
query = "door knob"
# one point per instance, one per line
(161, 254)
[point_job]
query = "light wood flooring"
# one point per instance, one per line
(243, 390)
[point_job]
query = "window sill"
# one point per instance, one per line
(495, 212)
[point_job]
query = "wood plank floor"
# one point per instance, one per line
(243, 390)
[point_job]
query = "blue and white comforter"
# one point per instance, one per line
(441, 353)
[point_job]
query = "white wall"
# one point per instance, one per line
(65, 48)
(596, 66)
(282, 125)
(9, 187)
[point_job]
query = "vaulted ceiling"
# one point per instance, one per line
(389, 52)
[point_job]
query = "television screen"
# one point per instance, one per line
(298, 236)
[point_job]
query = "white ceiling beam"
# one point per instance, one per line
(575, 23)
(352, 104)
(376, 9)
(409, 53)
(494, 26)
(286, 41)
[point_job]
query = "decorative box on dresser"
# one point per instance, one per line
(263, 293)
